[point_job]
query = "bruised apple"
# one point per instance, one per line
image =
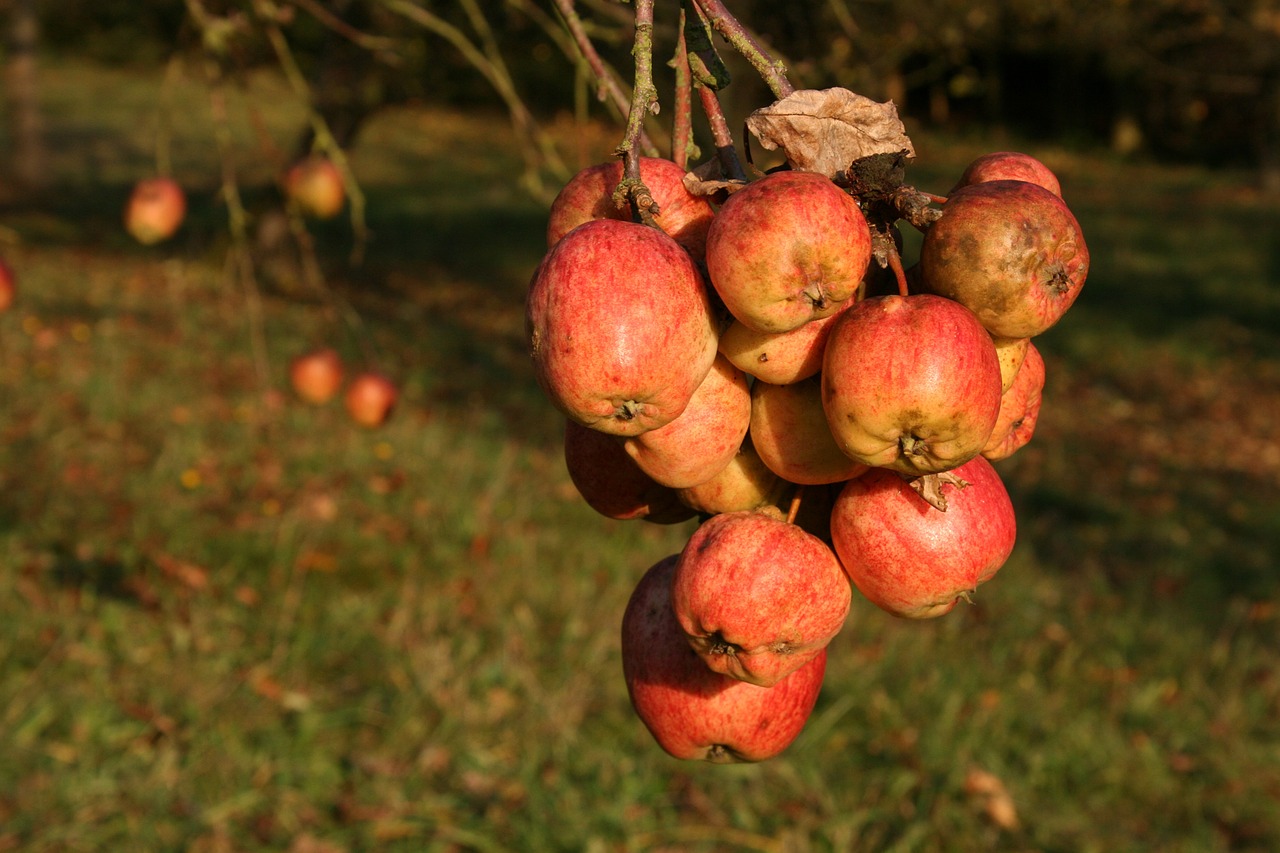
(791, 434)
(706, 437)
(910, 383)
(1010, 251)
(370, 398)
(589, 195)
(155, 210)
(620, 326)
(1009, 166)
(315, 185)
(911, 559)
(1019, 409)
(786, 249)
(758, 597)
(612, 484)
(316, 376)
(695, 713)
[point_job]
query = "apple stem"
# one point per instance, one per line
(895, 263)
(644, 100)
(794, 509)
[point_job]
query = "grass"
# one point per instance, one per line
(229, 621)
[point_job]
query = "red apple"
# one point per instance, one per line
(1009, 166)
(779, 358)
(791, 434)
(315, 185)
(758, 597)
(612, 484)
(155, 210)
(589, 195)
(745, 483)
(910, 383)
(370, 398)
(692, 712)
(786, 249)
(8, 287)
(1010, 251)
(706, 437)
(620, 326)
(911, 559)
(317, 375)
(1019, 409)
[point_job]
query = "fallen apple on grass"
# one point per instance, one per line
(315, 185)
(155, 210)
(316, 376)
(370, 398)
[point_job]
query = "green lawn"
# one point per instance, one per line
(231, 622)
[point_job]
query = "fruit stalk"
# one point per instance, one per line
(644, 100)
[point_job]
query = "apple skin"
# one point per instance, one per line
(370, 398)
(315, 185)
(745, 483)
(786, 249)
(8, 287)
(1009, 166)
(706, 437)
(779, 358)
(791, 434)
(1019, 409)
(1010, 251)
(612, 484)
(316, 376)
(1011, 352)
(758, 597)
(910, 383)
(589, 195)
(621, 327)
(915, 561)
(692, 712)
(155, 210)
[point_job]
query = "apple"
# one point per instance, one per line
(1009, 166)
(706, 436)
(758, 597)
(786, 249)
(620, 326)
(911, 559)
(315, 185)
(779, 358)
(316, 376)
(612, 484)
(1010, 251)
(791, 434)
(745, 483)
(589, 195)
(1019, 409)
(8, 287)
(1011, 352)
(155, 210)
(692, 712)
(370, 398)
(910, 383)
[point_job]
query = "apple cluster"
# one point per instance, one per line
(745, 364)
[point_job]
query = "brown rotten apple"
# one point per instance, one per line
(758, 597)
(692, 712)
(589, 195)
(910, 383)
(911, 559)
(1019, 409)
(155, 210)
(620, 326)
(1010, 251)
(786, 249)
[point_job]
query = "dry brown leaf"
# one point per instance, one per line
(825, 130)
(707, 179)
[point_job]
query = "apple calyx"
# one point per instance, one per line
(929, 487)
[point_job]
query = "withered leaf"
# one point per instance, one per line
(825, 130)
(708, 179)
(930, 486)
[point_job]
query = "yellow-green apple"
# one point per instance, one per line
(315, 185)
(786, 249)
(706, 437)
(316, 376)
(1019, 409)
(1011, 352)
(1009, 166)
(589, 195)
(8, 286)
(1010, 251)
(692, 712)
(155, 210)
(612, 484)
(910, 383)
(745, 483)
(758, 597)
(790, 431)
(370, 398)
(911, 559)
(779, 358)
(620, 326)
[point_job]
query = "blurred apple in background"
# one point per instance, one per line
(316, 376)
(155, 210)
(315, 185)
(370, 398)
(8, 289)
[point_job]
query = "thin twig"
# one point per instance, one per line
(730, 164)
(682, 145)
(772, 71)
(644, 100)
